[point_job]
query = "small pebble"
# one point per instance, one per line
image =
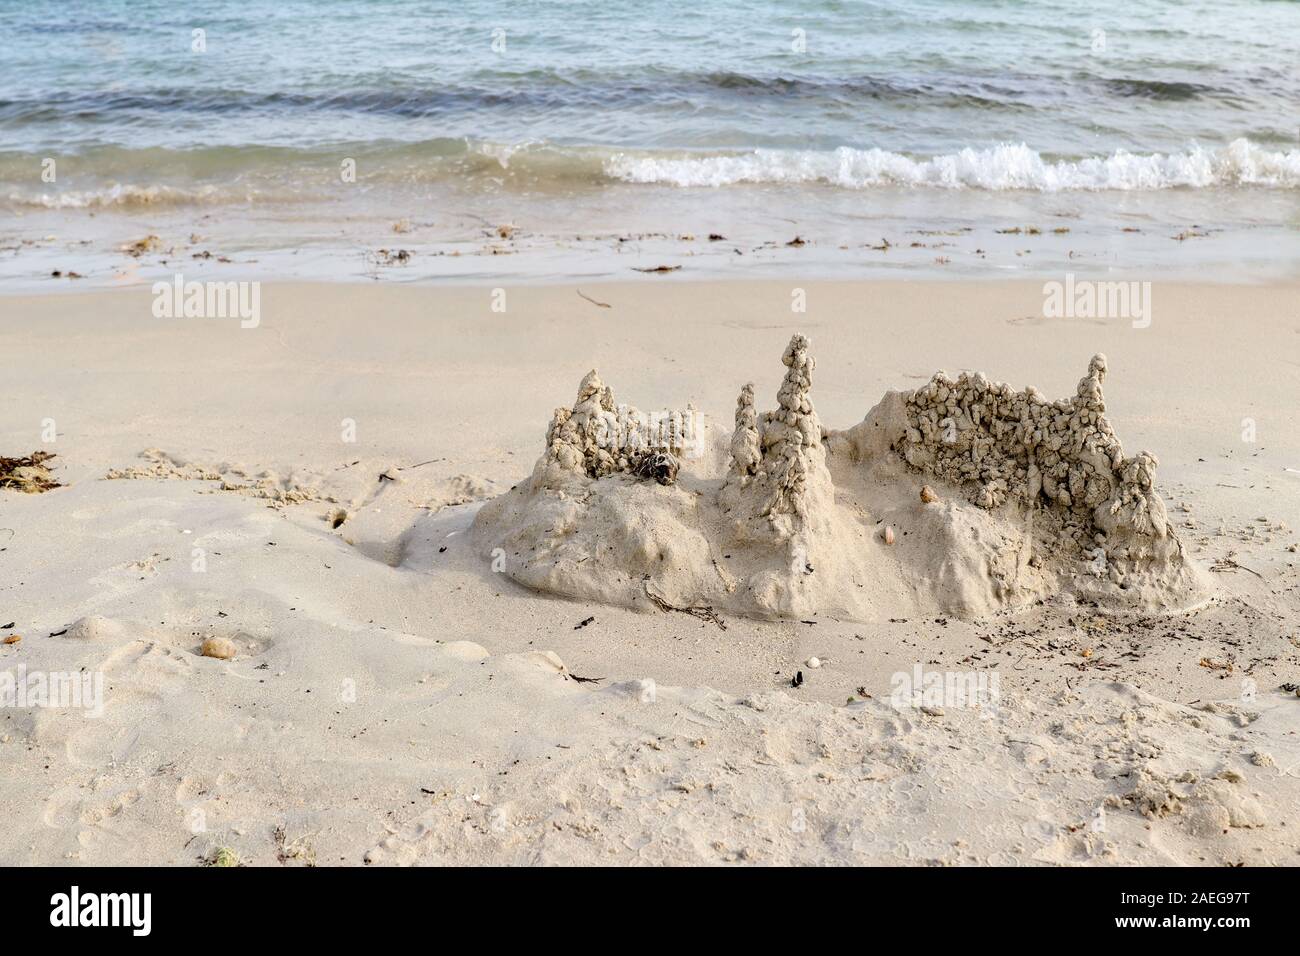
(222, 648)
(814, 662)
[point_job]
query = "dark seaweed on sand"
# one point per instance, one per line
(34, 476)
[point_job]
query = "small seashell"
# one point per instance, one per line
(12, 639)
(222, 648)
(928, 496)
(889, 534)
(814, 662)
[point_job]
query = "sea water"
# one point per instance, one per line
(830, 136)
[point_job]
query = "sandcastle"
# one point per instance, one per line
(963, 497)
(598, 438)
(1004, 443)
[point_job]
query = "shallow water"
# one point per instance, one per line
(292, 126)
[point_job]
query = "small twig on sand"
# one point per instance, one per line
(696, 611)
(1227, 564)
(603, 305)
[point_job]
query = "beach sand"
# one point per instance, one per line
(393, 700)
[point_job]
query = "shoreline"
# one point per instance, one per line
(742, 232)
(668, 268)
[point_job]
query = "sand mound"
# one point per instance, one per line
(962, 497)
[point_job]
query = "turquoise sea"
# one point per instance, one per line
(304, 128)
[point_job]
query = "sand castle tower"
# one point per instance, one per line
(777, 480)
(1001, 444)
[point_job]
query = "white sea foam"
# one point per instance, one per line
(119, 194)
(1240, 163)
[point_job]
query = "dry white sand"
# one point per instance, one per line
(394, 700)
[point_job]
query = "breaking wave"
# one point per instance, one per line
(139, 179)
(1005, 167)
(126, 196)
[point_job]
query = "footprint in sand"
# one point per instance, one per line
(407, 846)
(91, 804)
(148, 666)
(62, 808)
(170, 654)
(105, 742)
(192, 788)
(136, 677)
